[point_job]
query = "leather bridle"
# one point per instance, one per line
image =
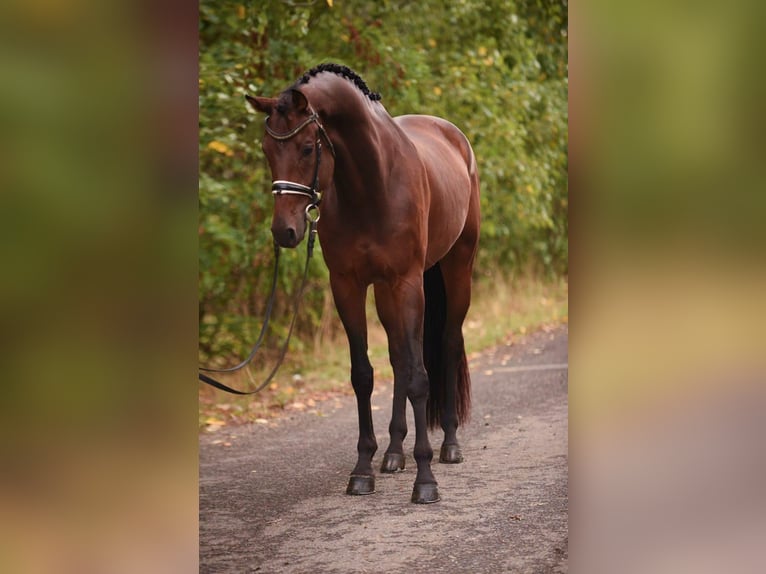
(283, 187)
(286, 187)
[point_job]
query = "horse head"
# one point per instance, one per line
(296, 146)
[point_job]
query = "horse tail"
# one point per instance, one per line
(433, 352)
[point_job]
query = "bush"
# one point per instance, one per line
(497, 69)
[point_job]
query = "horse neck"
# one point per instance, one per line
(367, 143)
(365, 158)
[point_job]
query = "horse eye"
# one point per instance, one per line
(307, 149)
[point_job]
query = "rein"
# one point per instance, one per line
(283, 187)
(269, 306)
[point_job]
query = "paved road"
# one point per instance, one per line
(272, 499)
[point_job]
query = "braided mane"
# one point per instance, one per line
(344, 71)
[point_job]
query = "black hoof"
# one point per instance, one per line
(360, 484)
(425, 493)
(450, 454)
(392, 462)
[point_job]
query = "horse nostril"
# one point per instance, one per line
(285, 236)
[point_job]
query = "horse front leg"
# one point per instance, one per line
(350, 302)
(400, 307)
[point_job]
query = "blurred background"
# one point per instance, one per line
(668, 361)
(98, 202)
(497, 69)
(103, 294)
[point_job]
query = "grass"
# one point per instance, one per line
(502, 309)
(320, 371)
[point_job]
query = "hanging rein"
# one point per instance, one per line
(284, 187)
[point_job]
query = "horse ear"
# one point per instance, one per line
(300, 103)
(264, 105)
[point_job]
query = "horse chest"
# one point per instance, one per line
(369, 261)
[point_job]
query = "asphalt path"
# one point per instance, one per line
(272, 496)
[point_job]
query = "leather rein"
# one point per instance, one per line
(283, 187)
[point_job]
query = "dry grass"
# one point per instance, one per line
(321, 370)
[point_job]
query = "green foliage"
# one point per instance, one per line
(497, 69)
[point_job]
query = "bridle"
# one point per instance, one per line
(285, 187)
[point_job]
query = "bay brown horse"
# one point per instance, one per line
(399, 211)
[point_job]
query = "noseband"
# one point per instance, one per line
(284, 187)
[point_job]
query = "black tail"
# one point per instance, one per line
(433, 352)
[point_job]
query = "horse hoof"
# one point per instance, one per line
(392, 462)
(450, 454)
(360, 484)
(425, 493)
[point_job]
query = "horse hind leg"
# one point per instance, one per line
(400, 308)
(393, 459)
(456, 383)
(449, 289)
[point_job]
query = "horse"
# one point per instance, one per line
(399, 200)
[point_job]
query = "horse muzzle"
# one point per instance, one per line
(288, 235)
(288, 229)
